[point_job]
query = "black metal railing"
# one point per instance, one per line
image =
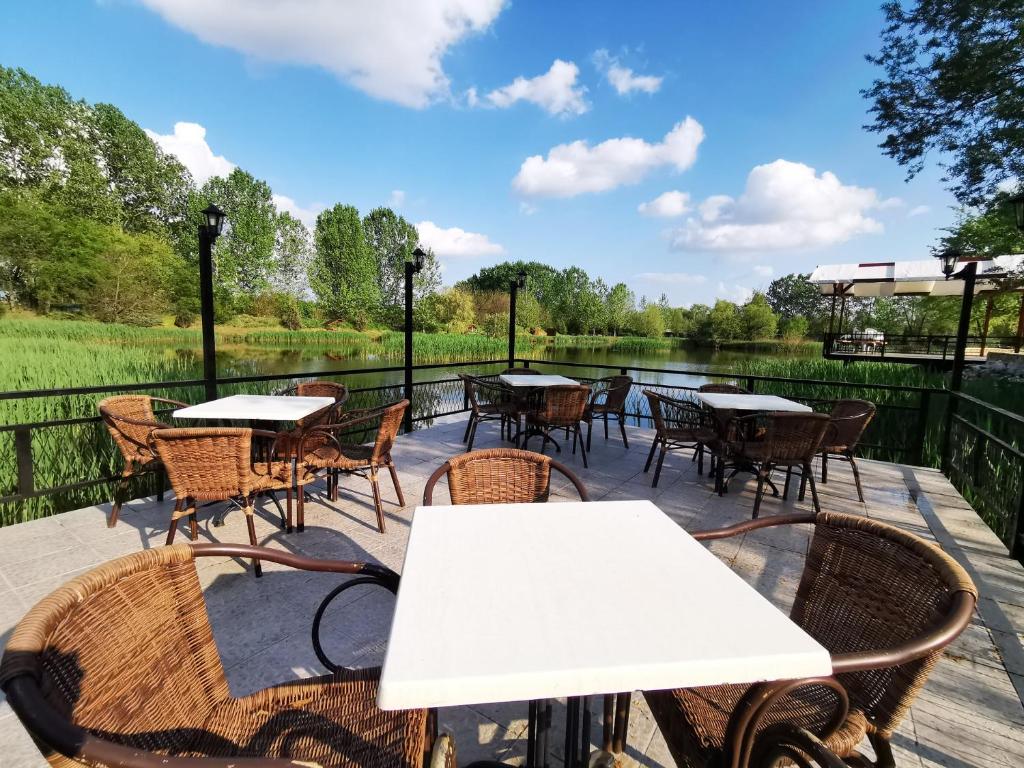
(939, 347)
(57, 464)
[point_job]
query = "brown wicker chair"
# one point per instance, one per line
(130, 419)
(882, 601)
(678, 424)
(119, 667)
(771, 441)
(608, 399)
(521, 371)
(489, 400)
(563, 408)
(318, 388)
(321, 449)
(499, 476)
(723, 389)
(215, 464)
(849, 420)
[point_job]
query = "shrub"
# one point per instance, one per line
(253, 321)
(289, 316)
(495, 325)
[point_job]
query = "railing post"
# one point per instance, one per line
(750, 384)
(23, 454)
(410, 270)
(622, 371)
(1016, 544)
(947, 431)
(922, 425)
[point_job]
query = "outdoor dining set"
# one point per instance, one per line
(119, 666)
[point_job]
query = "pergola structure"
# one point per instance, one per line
(923, 277)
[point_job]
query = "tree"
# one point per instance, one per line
(244, 254)
(759, 322)
(791, 295)
(343, 272)
(451, 311)
(540, 279)
(618, 306)
(990, 232)
(953, 82)
(649, 322)
(723, 322)
(392, 240)
(794, 328)
(131, 279)
(577, 308)
(293, 252)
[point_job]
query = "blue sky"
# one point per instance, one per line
(691, 148)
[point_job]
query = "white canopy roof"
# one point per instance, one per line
(921, 278)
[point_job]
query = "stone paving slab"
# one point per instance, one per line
(969, 714)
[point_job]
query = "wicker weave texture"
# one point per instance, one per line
(849, 420)
(499, 475)
(119, 413)
(788, 438)
(207, 463)
(564, 405)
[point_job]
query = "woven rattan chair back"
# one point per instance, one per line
(792, 438)
(125, 651)
(723, 389)
(668, 413)
(868, 587)
(321, 388)
(521, 371)
(206, 463)
(130, 419)
(564, 404)
(387, 431)
(849, 420)
(616, 390)
(500, 476)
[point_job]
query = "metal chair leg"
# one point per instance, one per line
(661, 461)
(378, 506)
(394, 480)
(856, 478)
(650, 456)
(814, 488)
(251, 525)
(824, 467)
(622, 429)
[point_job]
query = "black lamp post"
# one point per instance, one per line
(514, 286)
(412, 267)
(209, 231)
(1017, 201)
(950, 259)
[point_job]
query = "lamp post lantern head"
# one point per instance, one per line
(418, 259)
(949, 259)
(521, 279)
(214, 217)
(1017, 201)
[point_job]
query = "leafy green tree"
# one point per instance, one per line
(618, 306)
(541, 279)
(791, 295)
(343, 273)
(679, 322)
(244, 254)
(952, 83)
(990, 232)
(293, 251)
(577, 309)
(723, 322)
(451, 311)
(131, 279)
(649, 322)
(759, 322)
(392, 240)
(529, 314)
(794, 328)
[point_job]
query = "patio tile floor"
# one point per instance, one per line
(969, 714)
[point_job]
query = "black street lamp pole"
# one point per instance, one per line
(514, 286)
(411, 268)
(209, 230)
(969, 275)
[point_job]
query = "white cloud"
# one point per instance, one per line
(918, 210)
(666, 205)
(527, 209)
(555, 91)
(764, 270)
(576, 168)
(1010, 185)
(455, 242)
(188, 144)
(785, 205)
(391, 51)
(622, 78)
(306, 215)
(734, 293)
(397, 198)
(673, 278)
(890, 203)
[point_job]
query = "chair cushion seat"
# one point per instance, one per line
(347, 457)
(332, 721)
(694, 720)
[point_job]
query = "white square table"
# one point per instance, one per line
(256, 408)
(512, 602)
(535, 380)
(735, 402)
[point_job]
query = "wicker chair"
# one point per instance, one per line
(215, 464)
(563, 408)
(321, 449)
(521, 371)
(789, 440)
(678, 424)
(318, 388)
(119, 667)
(130, 419)
(849, 420)
(608, 399)
(499, 476)
(885, 604)
(489, 400)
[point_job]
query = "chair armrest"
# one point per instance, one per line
(789, 742)
(167, 401)
(753, 525)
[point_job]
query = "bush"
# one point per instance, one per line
(253, 321)
(495, 325)
(289, 316)
(794, 328)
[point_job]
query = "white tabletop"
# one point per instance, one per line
(510, 602)
(256, 408)
(725, 401)
(535, 380)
